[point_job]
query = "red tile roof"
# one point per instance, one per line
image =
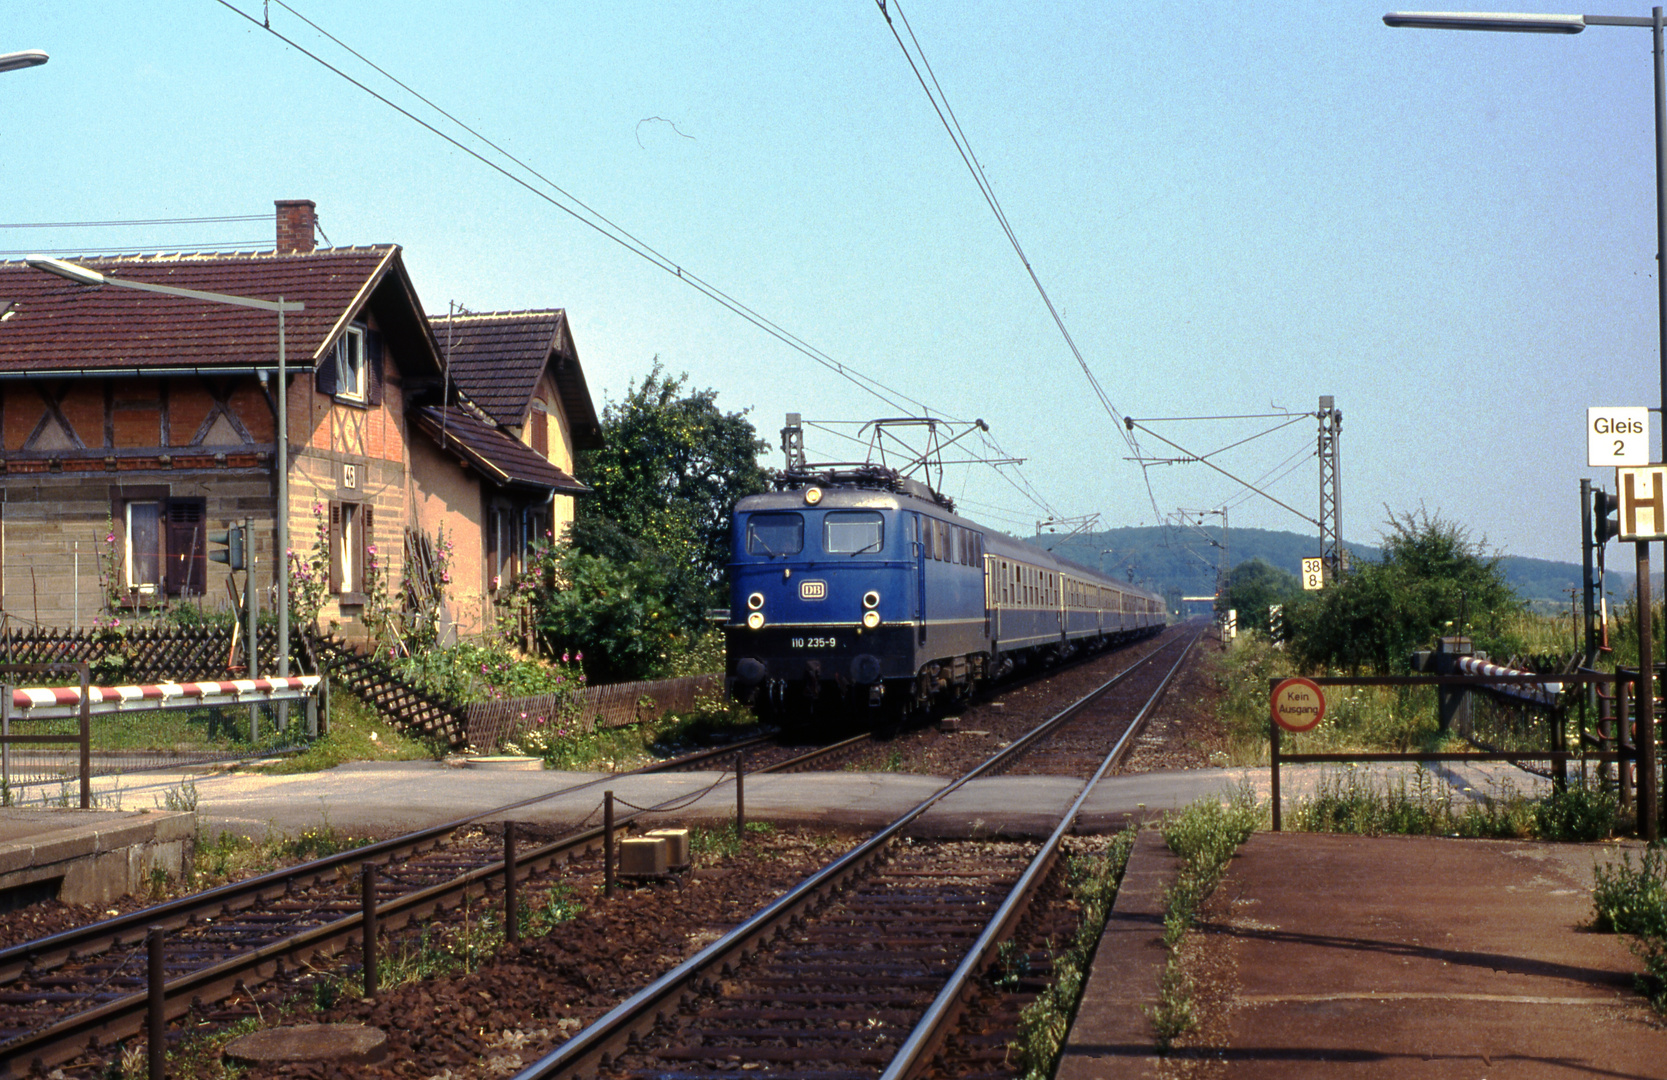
(495, 455)
(56, 325)
(496, 358)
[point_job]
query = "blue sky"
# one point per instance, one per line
(1235, 210)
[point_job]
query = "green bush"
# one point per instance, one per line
(1577, 812)
(1630, 899)
(1433, 580)
(475, 671)
(612, 614)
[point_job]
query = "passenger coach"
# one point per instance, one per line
(865, 588)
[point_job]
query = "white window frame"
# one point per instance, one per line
(144, 588)
(344, 546)
(352, 378)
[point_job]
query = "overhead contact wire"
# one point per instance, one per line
(606, 229)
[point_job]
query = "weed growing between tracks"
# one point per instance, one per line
(1044, 1023)
(1205, 835)
(1630, 899)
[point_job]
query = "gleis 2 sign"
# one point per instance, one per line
(1618, 436)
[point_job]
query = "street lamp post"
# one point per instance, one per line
(280, 538)
(1648, 810)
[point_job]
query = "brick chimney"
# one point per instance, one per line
(296, 218)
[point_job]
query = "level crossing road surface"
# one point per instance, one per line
(378, 799)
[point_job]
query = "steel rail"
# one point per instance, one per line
(240, 894)
(125, 1016)
(940, 1017)
(614, 1029)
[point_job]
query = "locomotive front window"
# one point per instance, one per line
(852, 532)
(775, 534)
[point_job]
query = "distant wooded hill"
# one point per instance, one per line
(1183, 562)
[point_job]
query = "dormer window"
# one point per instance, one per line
(351, 372)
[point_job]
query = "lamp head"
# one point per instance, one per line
(65, 270)
(1487, 20)
(26, 58)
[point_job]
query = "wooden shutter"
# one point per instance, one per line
(540, 421)
(492, 513)
(367, 538)
(325, 377)
(186, 548)
(373, 367)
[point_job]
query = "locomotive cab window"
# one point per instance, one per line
(853, 532)
(775, 534)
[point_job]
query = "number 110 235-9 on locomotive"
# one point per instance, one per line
(865, 589)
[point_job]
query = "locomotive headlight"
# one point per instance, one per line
(755, 601)
(813, 496)
(755, 621)
(871, 619)
(870, 599)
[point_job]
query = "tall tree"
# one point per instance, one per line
(1433, 580)
(672, 467)
(1253, 587)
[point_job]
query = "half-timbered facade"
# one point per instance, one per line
(133, 425)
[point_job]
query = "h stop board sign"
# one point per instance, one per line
(1298, 704)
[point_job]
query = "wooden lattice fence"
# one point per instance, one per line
(151, 653)
(490, 724)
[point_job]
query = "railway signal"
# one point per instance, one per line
(1605, 524)
(230, 550)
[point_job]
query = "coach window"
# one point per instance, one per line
(775, 534)
(853, 532)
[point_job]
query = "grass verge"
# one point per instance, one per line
(356, 733)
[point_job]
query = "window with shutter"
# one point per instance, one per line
(349, 529)
(539, 420)
(344, 374)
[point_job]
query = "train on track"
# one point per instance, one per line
(861, 588)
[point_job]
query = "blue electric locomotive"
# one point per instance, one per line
(863, 587)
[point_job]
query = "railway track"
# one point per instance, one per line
(87, 987)
(863, 969)
(82, 988)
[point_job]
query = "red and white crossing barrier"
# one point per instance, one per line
(1544, 693)
(41, 703)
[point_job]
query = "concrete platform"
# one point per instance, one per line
(89, 856)
(1382, 957)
